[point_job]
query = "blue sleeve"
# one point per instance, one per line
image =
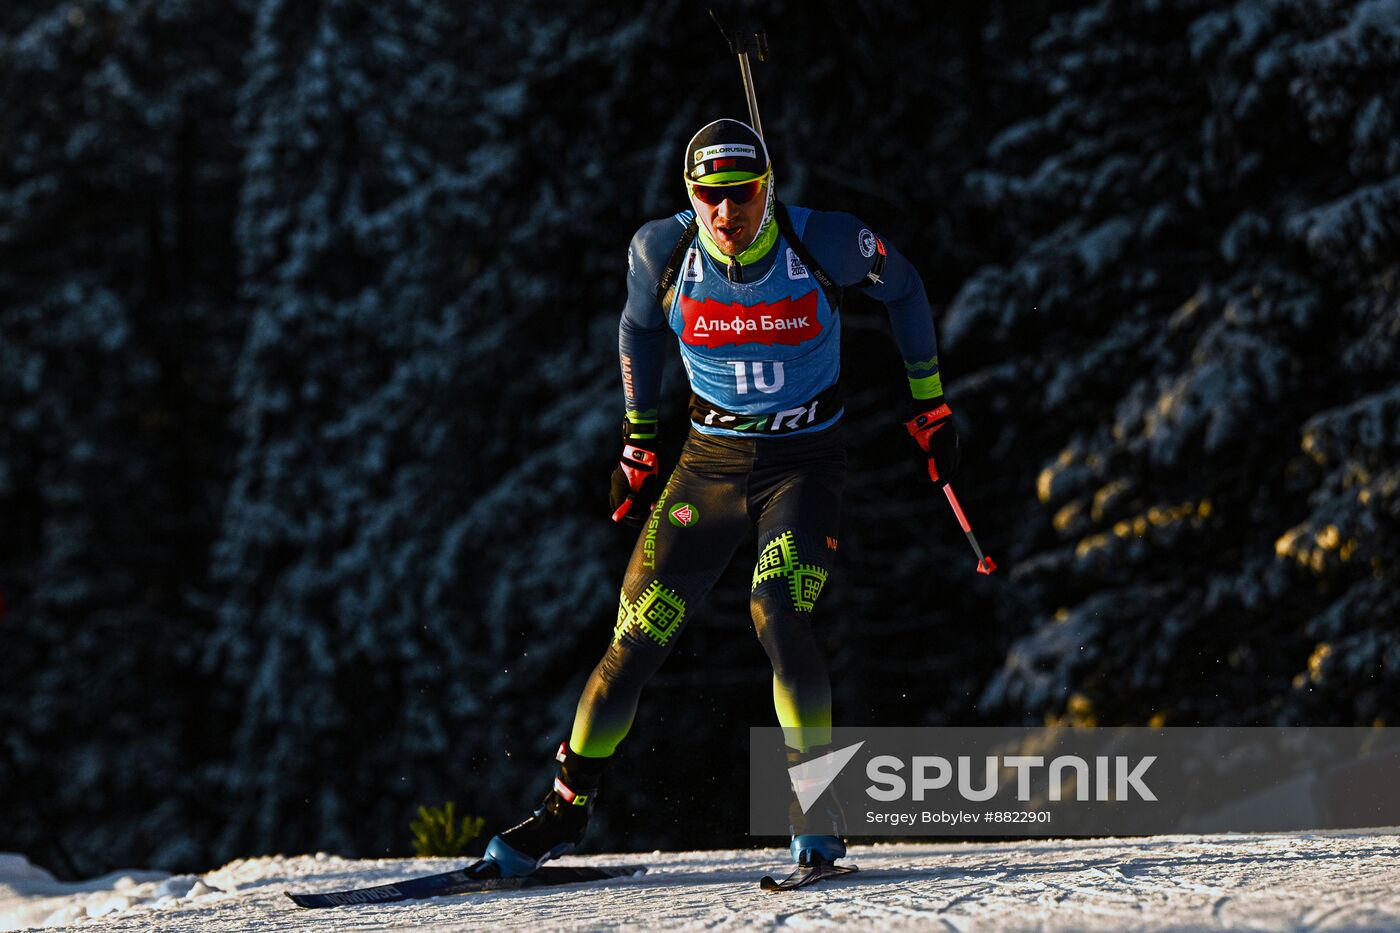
(642, 334)
(848, 250)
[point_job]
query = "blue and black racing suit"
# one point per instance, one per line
(765, 450)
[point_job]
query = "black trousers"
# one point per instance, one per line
(723, 488)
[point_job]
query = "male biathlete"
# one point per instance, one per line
(752, 290)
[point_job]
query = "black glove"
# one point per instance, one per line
(634, 480)
(933, 431)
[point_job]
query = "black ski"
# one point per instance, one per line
(804, 875)
(481, 875)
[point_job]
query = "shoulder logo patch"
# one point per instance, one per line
(796, 270)
(867, 243)
(694, 268)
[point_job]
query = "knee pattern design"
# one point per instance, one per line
(778, 561)
(658, 613)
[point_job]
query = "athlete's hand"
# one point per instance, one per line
(933, 431)
(634, 480)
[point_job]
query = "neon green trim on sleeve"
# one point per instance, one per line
(927, 387)
(917, 365)
(642, 425)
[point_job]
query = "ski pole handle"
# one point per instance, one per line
(739, 43)
(984, 564)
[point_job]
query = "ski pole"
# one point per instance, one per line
(739, 43)
(984, 564)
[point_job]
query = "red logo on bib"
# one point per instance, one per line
(789, 322)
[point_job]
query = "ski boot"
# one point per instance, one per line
(557, 825)
(817, 833)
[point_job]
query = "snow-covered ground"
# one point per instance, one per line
(1322, 881)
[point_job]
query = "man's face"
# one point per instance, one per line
(732, 225)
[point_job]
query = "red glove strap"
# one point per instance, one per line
(638, 463)
(923, 426)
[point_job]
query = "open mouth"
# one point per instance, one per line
(729, 232)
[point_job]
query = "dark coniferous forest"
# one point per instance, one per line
(309, 394)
